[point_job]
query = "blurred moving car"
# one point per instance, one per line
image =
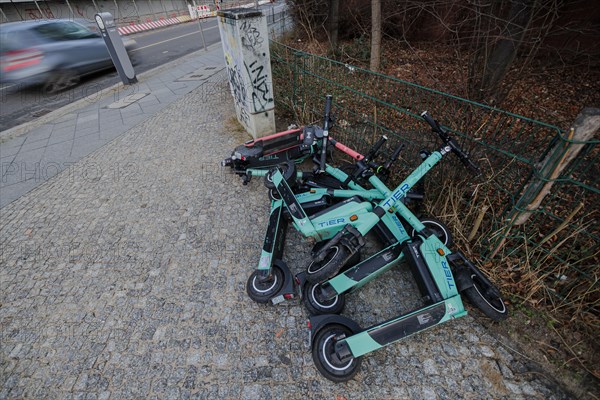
(53, 53)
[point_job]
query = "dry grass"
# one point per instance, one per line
(547, 266)
(530, 274)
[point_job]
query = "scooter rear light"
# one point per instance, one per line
(17, 59)
(309, 325)
(288, 296)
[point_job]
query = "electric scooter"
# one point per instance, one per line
(272, 280)
(337, 341)
(256, 157)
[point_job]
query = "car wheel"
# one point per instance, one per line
(61, 80)
(134, 58)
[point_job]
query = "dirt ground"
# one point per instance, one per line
(561, 354)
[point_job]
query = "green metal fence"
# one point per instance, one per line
(555, 251)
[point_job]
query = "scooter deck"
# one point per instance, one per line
(392, 330)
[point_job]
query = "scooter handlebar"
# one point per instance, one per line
(328, 101)
(429, 120)
(375, 149)
(323, 159)
(448, 140)
(464, 158)
(435, 126)
(345, 149)
(394, 156)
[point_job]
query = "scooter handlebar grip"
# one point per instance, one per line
(354, 154)
(397, 152)
(464, 157)
(328, 100)
(326, 117)
(435, 126)
(377, 146)
(472, 166)
(429, 119)
(394, 156)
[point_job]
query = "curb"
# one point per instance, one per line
(45, 119)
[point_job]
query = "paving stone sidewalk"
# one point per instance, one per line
(124, 277)
(29, 160)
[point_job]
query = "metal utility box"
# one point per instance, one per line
(246, 47)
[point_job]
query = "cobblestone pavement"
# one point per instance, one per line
(124, 277)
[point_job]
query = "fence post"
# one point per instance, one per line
(295, 56)
(558, 157)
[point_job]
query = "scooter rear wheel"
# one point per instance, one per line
(316, 305)
(262, 292)
(352, 261)
(485, 296)
(323, 353)
(335, 259)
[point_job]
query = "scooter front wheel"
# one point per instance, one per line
(438, 228)
(288, 170)
(317, 305)
(325, 358)
(485, 296)
(320, 271)
(261, 291)
(274, 195)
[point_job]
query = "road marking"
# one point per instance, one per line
(9, 86)
(178, 37)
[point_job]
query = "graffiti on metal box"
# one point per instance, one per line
(250, 36)
(238, 90)
(260, 89)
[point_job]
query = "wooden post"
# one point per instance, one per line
(585, 126)
(375, 35)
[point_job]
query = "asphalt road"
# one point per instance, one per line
(154, 48)
(18, 106)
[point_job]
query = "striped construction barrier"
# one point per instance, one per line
(147, 26)
(199, 12)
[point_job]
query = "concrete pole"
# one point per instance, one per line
(152, 10)
(137, 12)
(116, 12)
(95, 6)
(70, 8)
(39, 9)
(4, 18)
(164, 9)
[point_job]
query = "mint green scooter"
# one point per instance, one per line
(441, 275)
